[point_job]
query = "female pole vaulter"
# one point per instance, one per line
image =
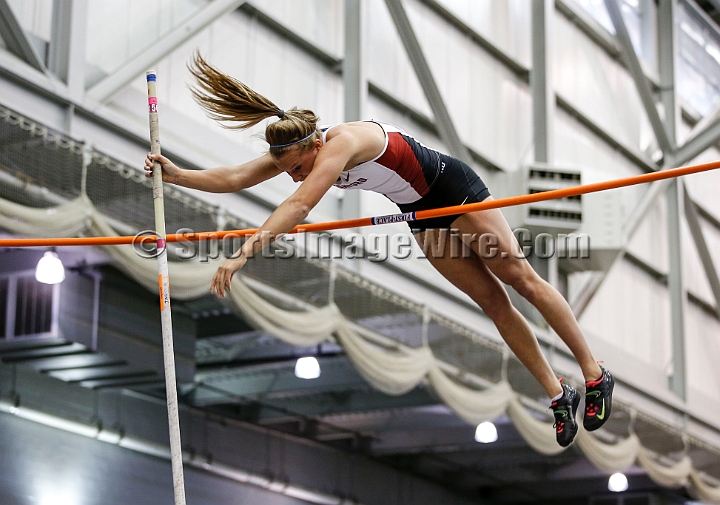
(379, 157)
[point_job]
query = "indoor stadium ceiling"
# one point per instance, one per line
(240, 372)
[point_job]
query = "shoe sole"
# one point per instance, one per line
(575, 404)
(608, 409)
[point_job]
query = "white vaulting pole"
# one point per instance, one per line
(164, 286)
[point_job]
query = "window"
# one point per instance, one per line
(33, 309)
(33, 306)
(3, 306)
(634, 13)
(698, 67)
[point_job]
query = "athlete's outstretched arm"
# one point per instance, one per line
(216, 180)
(329, 164)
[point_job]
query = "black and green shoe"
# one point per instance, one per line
(598, 401)
(564, 410)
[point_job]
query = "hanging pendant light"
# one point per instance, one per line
(50, 269)
(307, 368)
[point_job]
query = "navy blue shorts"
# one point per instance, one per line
(455, 184)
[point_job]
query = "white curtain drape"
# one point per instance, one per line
(667, 476)
(702, 490)
(302, 329)
(471, 405)
(540, 435)
(609, 457)
(393, 371)
(188, 280)
(67, 220)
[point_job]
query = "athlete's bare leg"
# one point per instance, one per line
(514, 270)
(471, 275)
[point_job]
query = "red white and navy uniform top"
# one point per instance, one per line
(415, 177)
(403, 171)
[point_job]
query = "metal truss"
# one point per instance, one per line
(17, 40)
(448, 133)
(641, 82)
(105, 89)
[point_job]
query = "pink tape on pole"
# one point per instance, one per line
(152, 102)
(161, 243)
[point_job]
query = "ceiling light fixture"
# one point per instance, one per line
(50, 269)
(486, 433)
(618, 483)
(307, 368)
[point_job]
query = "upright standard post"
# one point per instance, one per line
(164, 286)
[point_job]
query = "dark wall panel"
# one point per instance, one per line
(44, 466)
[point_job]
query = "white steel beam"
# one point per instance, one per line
(543, 97)
(641, 81)
(448, 134)
(631, 224)
(543, 107)
(676, 288)
(355, 88)
(509, 62)
(667, 52)
(693, 219)
(67, 44)
(522, 72)
(106, 88)
(352, 67)
(702, 17)
(667, 55)
(16, 39)
(60, 38)
(707, 131)
(698, 143)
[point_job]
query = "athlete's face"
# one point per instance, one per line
(298, 164)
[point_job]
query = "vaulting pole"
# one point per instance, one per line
(164, 286)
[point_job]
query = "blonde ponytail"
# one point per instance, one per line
(225, 99)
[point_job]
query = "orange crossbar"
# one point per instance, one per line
(369, 221)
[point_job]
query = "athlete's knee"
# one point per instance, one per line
(495, 305)
(530, 286)
(525, 281)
